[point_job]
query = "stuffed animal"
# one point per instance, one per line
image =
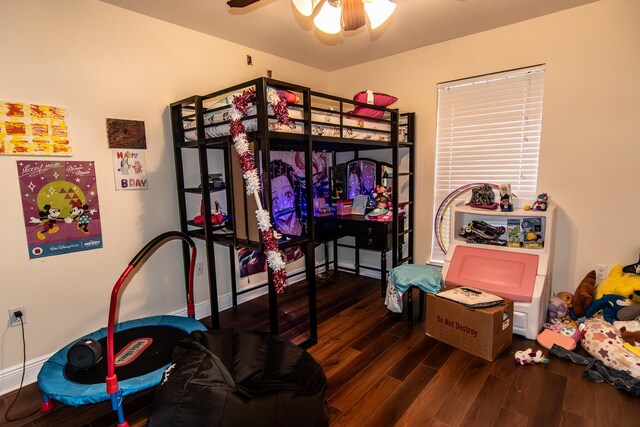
(609, 304)
(557, 309)
(567, 297)
(626, 285)
(583, 297)
(633, 268)
(629, 313)
(530, 357)
(540, 204)
(632, 337)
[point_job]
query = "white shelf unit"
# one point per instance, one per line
(528, 316)
(461, 215)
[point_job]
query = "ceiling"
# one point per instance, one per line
(276, 27)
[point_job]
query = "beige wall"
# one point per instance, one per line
(101, 61)
(590, 148)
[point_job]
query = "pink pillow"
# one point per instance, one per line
(374, 98)
(289, 96)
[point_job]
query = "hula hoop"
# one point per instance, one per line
(439, 218)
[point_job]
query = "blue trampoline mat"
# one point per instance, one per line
(54, 382)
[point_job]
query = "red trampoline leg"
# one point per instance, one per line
(46, 405)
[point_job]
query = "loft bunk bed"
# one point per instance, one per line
(318, 123)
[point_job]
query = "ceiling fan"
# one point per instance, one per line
(335, 15)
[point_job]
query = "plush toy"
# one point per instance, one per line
(529, 357)
(633, 268)
(583, 297)
(626, 285)
(632, 337)
(609, 304)
(557, 309)
(567, 297)
(631, 312)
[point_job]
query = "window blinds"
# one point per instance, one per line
(488, 130)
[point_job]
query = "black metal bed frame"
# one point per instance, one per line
(264, 140)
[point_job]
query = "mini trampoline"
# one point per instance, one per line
(137, 351)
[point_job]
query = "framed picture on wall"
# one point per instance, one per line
(123, 133)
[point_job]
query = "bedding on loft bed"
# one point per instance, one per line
(323, 122)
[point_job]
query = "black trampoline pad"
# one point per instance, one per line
(155, 356)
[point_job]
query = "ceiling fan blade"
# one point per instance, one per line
(352, 14)
(241, 3)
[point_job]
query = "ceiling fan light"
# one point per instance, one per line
(378, 11)
(329, 20)
(305, 7)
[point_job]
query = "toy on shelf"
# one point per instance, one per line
(506, 204)
(529, 357)
(216, 182)
(483, 197)
(532, 233)
(484, 233)
(382, 211)
(514, 239)
(540, 204)
(217, 216)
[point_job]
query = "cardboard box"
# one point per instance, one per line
(483, 332)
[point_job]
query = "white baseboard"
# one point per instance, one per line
(10, 377)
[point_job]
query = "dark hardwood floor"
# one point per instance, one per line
(382, 374)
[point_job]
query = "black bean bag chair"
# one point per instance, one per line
(233, 378)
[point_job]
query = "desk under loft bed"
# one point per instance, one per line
(319, 123)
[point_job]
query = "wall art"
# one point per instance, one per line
(33, 130)
(126, 134)
(130, 170)
(60, 206)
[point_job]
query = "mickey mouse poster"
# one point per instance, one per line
(60, 205)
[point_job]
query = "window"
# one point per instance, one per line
(488, 130)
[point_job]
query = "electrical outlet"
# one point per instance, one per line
(199, 269)
(601, 271)
(15, 321)
(249, 60)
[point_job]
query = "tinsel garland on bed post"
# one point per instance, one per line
(252, 179)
